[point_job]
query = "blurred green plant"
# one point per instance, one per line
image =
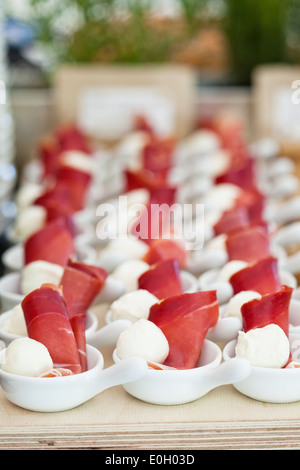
(129, 31)
(256, 33)
(113, 31)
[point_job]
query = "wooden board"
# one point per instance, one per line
(104, 98)
(114, 420)
(276, 104)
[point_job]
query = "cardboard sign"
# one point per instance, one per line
(277, 103)
(103, 99)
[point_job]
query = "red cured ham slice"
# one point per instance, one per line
(163, 194)
(254, 201)
(241, 174)
(81, 283)
(47, 321)
(163, 249)
(185, 320)
(70, 137)
(143, 178)
(158, 156)
(160, 191)
(78, 183)
(152, 223)
(53, 243)
(58, 199)
(142, 124)
(261, 277)
(232, 219)
(270, 308)
(248, 244)
(162, 279)
(49, 153)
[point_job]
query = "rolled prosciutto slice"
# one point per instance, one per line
(80, 284)
(270, 308)
(163, 249)
(70, 137)
(158, 156)
(49, 153)
(77, 181)
(185, 320)
(242, 174)
(231, 219)
(262, 277)
(53, 243)
(248, 244)
(143, 178)
(162, 279)
(152, 223)
(48, 322)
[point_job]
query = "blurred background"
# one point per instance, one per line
(223, 41)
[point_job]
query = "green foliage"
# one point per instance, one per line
(110, 30)
(256, 32)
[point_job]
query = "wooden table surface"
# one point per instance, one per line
(114, 420)
(224, 419)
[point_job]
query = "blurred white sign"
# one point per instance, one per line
(2, 92)
(108, 112)
(286, 114)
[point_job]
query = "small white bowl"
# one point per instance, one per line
(174, 387)
(64, 393)
(267, 384)
(226, 329)
(13, 257)
(10, 291)
(208, 281)
(84, 234)
(204, 260)
(294, 315)
(7, 338)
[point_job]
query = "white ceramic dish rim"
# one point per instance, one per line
(12, 258)
(228, 353)
(7, 337)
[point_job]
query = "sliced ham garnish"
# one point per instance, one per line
(152, 223)
(248, 244)
(231, 219)
(70, 137)
(163, 249)
(185, 320)
(241, 174)
(81, 283)
(270, 308)
(262, 277)
(158, 156)
(143, 178)
(57, 199)
(53, 243)
(48, 322)
(49, 153)
(77, 181)
(162, 279)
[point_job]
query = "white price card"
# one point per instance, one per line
(285, 114)
(108, 112)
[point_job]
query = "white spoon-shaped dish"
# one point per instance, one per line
(13, 257)
(10, 290)
(228, 327)
(97, 337)
(209, 281)
(55, 394)
(173, 387)
(267, 384)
